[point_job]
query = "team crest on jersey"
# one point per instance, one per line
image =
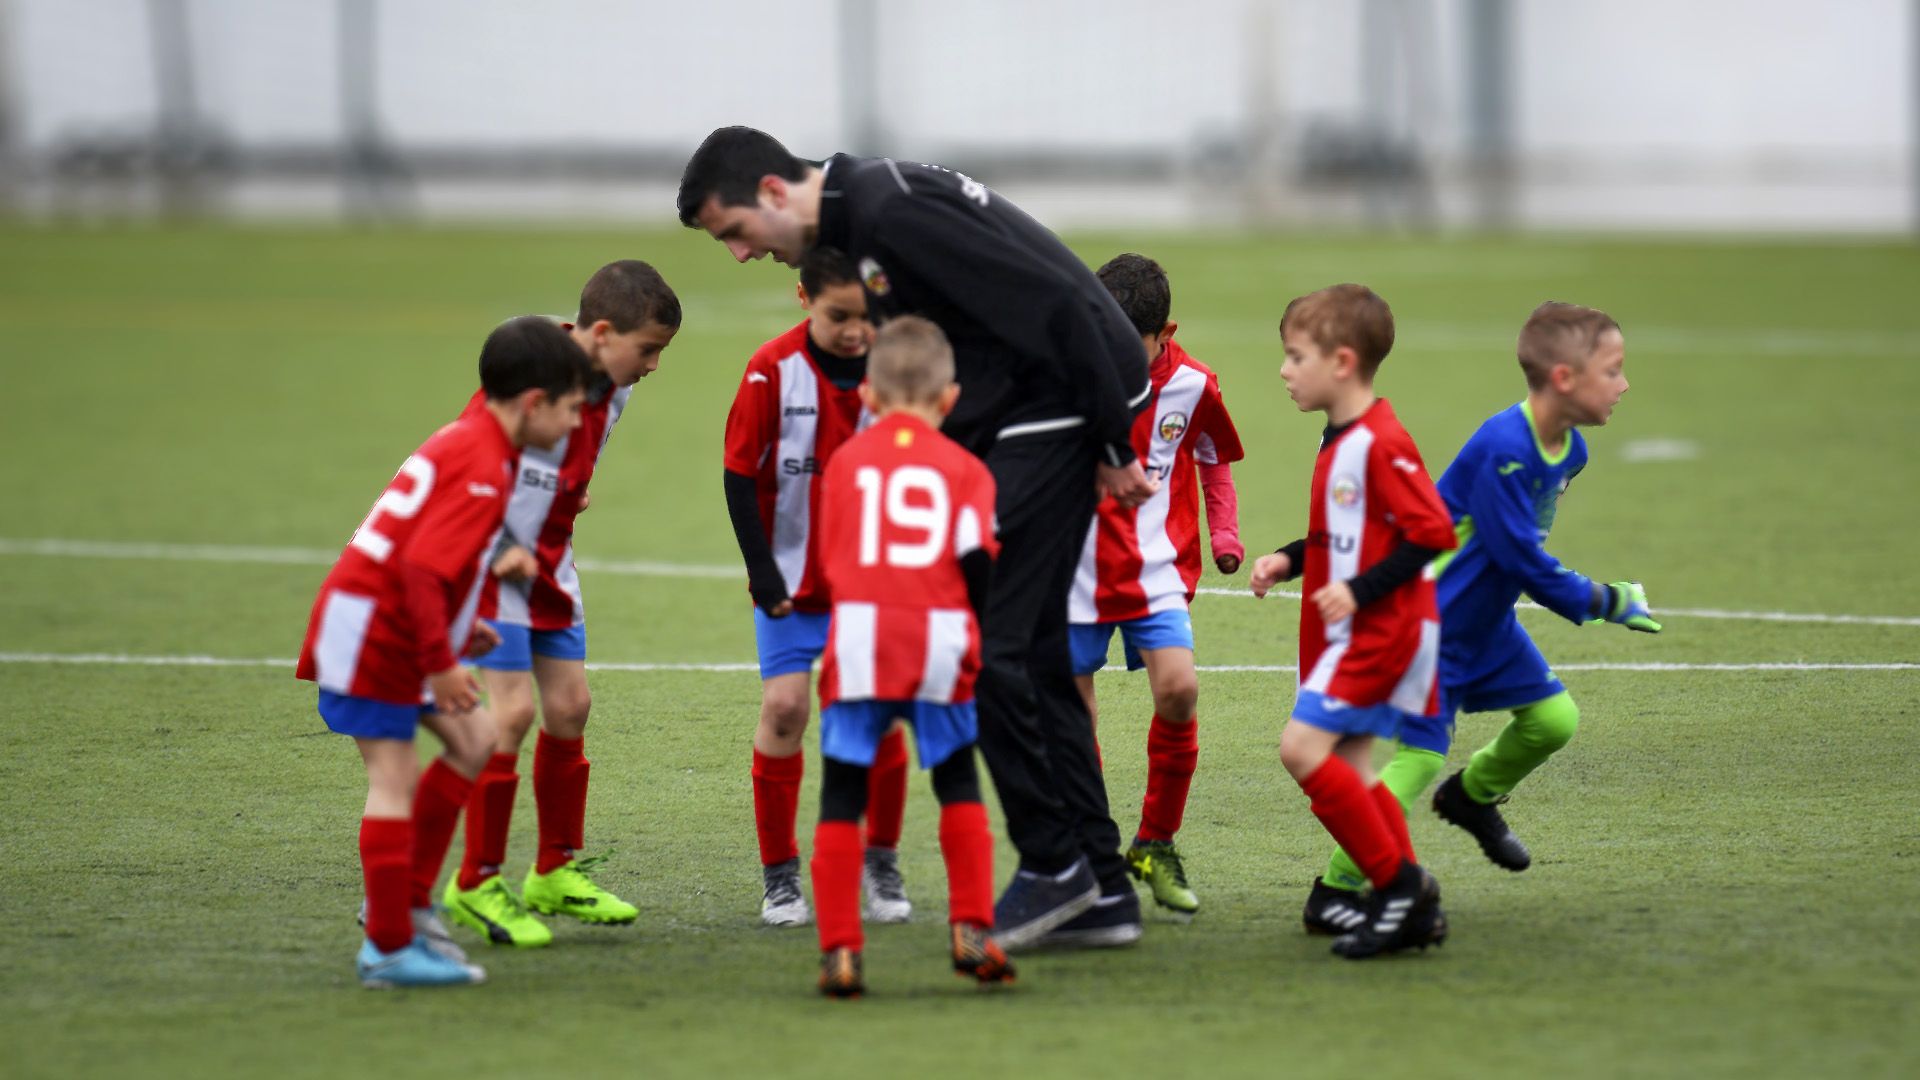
(1173, 425)
(874, 278)
(1345, 490)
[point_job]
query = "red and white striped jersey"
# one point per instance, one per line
(546, 497)
(1143, 560)
(1371, 492)
(441, 513)
(786, 422)
(900, 505)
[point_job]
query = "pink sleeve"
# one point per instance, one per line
(1223, 510)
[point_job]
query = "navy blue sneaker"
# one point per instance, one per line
(1036, 903)
(1112, 921)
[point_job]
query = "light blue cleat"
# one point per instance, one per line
(419, 964)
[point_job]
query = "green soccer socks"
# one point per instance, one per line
(1529, 739)
(1406, 775)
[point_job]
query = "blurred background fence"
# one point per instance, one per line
(1549, 114)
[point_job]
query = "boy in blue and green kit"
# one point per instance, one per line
(1502, 490)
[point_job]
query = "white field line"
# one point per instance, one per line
(223, 553)
(225, 661)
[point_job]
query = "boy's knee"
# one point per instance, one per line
(1177, 700)
(783, 717)
(565, 712)
(1550, 724)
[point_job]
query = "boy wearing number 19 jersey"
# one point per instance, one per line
(798, 402)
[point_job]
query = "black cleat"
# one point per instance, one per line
(1484, 821)
(1333, 911)
(1404, 915)
(1036, 903)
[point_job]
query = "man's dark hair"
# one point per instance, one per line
(628, 294)
(532, 353)
(729, 165)
(1143, 291)
(823, 267)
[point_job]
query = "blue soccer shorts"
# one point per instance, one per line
(1330, 714)
(850, 731)
(1508, 673)
(1160, 630)
(791, 643)
(519, 645)
(365, 718)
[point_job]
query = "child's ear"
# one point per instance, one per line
(1560, 377)
(868, 399)
(948, 396)
(806, 302)
(1345, 362)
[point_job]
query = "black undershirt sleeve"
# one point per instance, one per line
(1401, 565)
(977, 567)
(764, 582)
(1296, 554)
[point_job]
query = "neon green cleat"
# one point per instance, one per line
(568, 890)
(1158, 864)
(499, 916)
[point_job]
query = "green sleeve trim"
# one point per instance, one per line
(1462, 532)
(1526, 409)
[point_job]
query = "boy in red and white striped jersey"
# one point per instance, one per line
(906, 545)
(627, 317)
(1138, 572)
(797, 403)
(393, 614)
(1369, 624)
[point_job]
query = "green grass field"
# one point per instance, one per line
(1726, 860)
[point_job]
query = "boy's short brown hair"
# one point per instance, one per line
(1350, 315)
(628, 294)
(911, 362)
(1558, 333)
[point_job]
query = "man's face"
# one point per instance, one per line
(628, 357)
(769, 227)
(551, 419)
(1597, 385)
(1308, 372)
(837, 319)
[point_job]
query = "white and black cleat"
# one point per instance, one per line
(885, 889)
(1404, 915)
(784, 904)
(1333, 911)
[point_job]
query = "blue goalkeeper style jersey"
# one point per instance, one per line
(1503, 489)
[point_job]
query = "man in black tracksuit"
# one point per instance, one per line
(1051, 374)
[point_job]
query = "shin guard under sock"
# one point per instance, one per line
(386, 863)
(1346, 808)
(437, 802)
(1408, 775)
(1172, 751)
(776, 800)
(560, 769)
(489, 814)
(837, 858)
(966, 843)
(1395, 818)
(887, 790)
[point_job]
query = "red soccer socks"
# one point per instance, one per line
(386, 862)
(560, 770)
(1172, 750)
(837, 857)
(1348, 810)
(489, 813)
(1395, 817)
(437, 802)
(967, 846)
(887, 790)
(776, 799)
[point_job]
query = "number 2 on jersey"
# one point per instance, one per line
(892, 491)
(395, 504)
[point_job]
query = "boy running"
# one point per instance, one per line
(1502, 491)
(1369, 625)
(532, 599)
(907, 547)
(1141, 564)
(393, 614)
(796, 405)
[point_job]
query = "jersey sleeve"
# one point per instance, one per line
(459, 518)
(1218, 441)
(753, 424)
(1502, 512)
(1399, 478)
(974, 526)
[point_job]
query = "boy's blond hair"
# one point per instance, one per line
(1350, 315)
(910, 362)
(1558, 333)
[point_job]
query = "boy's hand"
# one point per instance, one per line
(780, 610)
(1129, 485)
(516, 564)
(1627, 605)
(1268, 571)
(482, 641)
(455, 690)
(1227, 563)
(1335, 602)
